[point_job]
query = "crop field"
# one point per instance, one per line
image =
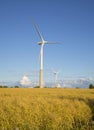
(46, 109)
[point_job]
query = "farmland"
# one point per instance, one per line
(46, 109)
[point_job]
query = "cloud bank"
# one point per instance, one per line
(81, 83)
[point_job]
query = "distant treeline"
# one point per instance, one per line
(5, 86)
(91, 86)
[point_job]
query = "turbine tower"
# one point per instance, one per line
(56, 81)
(41, 43)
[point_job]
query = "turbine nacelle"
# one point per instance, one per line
(42, 42)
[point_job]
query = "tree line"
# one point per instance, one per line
(5, 86)
(91, 86)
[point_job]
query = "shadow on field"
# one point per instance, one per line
(91, 105)
(89, 102)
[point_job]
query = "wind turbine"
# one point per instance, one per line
(41, 43)
(56, 75)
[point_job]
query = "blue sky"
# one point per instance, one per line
(69, 22)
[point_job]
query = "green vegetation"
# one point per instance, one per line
(91, 86)
(16, 86)
(3, 86)
(46, 109)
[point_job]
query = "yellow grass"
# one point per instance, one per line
(46, 109)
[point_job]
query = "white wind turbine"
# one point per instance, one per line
(56, 78)
(41, 43)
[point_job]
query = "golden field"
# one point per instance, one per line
(46, 109)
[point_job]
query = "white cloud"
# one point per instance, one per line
(82, 82)
(25, 81)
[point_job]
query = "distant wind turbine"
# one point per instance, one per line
(41, 43)
(56, 75)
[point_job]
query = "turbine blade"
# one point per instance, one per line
(51, 43)
(38, 31)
